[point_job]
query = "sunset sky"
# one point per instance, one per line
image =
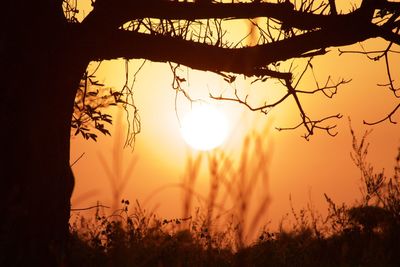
(303, 169)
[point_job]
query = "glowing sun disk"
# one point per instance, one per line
(204, 128)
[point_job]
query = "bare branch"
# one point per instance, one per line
(388, 117)
(207, 57)
(369, 53)
(381, 53)
(314, 125)
(389, 75)
(328, 90)
(310, 125)
(263, 108)
(332, 5)
(89, 208)
(134, 123)
(76, 160)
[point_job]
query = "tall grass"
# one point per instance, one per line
(225, 227)
(238, 191)
(117, 176)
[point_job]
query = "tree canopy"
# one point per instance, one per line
(194, 34)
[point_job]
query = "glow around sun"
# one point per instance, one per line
(204, 127)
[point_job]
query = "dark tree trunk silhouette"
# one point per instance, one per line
(40, 69)
(43, 58)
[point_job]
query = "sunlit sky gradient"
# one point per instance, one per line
(303, 169)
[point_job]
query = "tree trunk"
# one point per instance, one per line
(40, 72)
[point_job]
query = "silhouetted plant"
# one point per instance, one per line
(369, 217)
(90, 107)
(363, 234)
(383, 192)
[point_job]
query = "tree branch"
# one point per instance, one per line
(201, 56)
(332, 5)
(388, 117)
(314, 125)
(329, 31)
(386, 34)
(162, 42)
(114, 13)
(263, 108)
(117, 12)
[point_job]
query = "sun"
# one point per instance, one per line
(204, 127)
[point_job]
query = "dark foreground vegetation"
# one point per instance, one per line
(364, 234)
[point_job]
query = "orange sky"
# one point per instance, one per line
(295, 167)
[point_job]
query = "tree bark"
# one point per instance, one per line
(40, 70)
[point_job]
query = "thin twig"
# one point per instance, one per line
(75, 161)
(92, 207)
(388, 117)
